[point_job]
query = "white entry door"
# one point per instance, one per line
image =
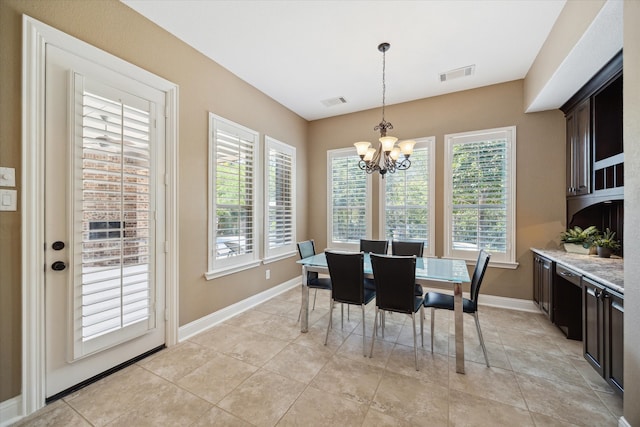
(104, 219)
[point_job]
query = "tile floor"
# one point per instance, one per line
(257, 369)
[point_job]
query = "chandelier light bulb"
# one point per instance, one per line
(369, 155)
(395, 154)
(362, 147)
(407, 147)
(387, 143)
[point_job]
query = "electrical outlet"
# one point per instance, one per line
(268, 274)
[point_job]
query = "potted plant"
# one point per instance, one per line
(578, 240)
(606, 243)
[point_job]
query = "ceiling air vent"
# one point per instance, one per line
(334, 101)
(457, 73)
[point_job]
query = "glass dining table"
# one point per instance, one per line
(452, 271)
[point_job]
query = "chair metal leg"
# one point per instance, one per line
(375, 332)
(364, 344)
(433, 312)
(342, 315)
(422, 325)
(484, 349)
(415, 340)
(326, 337)
(314, 299)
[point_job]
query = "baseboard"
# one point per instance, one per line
(10, 411)
(210, 320)
(623, 423)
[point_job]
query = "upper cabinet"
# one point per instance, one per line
(595, 157)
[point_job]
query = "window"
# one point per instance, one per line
(233, 226)
(480, 195)
(408, 199)
(348, 212)
(280, 214)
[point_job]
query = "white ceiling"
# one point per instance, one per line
(303, 52)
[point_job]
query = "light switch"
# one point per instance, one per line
(8, 200)
(7, 177)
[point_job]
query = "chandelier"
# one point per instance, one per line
(386, 159)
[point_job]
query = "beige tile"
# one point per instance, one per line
(318, 408)
(217, 377)
(353, 380)
(177, 361)
(496, 384)
(352, 349)
(567, 402)
(590, 375)
(279, 327)
(473, 350)
(299, 362)
(116, 394)
(171, 406)
(315, 337)
(544, 365)
(468, 410)
(613, 402)
(263, 398)
(216, 417)
(250, 319)
(433, 367)
(532, 341)
(418, 402)
(378, 419)
(256, 349)
(546, 421)
(55, 414)
(222, 337)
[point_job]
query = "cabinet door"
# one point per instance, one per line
(592, 318)
(579, 150)
(614, 340)
(542, 277)
(536, 280)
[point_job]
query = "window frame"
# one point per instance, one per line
(353, 246)
(218, 267)
(288, 250)
(498, 259)
(428, 143)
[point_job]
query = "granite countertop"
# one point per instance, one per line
(608, 271)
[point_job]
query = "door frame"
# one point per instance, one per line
(35, 36)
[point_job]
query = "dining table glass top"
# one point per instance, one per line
(450, 270)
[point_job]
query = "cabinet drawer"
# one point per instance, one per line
(568, 274)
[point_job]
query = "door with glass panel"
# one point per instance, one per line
(104, 219)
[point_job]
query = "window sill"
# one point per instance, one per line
(210, 275)
(497, 264)
(275, 258)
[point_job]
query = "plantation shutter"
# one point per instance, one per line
(407, 199)
(482, 193)
(113, 218)
(348, 189)
(234, 172)
(280, 175)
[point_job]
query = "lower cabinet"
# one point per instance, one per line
(542, 283)
(603, 329)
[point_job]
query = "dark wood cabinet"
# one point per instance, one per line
(579, 149)
(603, 329)
(542, 283)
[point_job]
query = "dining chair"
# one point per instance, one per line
(305, 250)
(374, 246)
(407, 249)
(347, 285)
(435, 300)
(395, 277)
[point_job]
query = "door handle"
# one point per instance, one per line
(58, 266)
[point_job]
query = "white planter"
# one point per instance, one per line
(576, 248)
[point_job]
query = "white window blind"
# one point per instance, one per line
(115, 205)
(348, 203)
(480, 194)
(280, 198)
(408, 199)
(233, 170)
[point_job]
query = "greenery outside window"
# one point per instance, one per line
(408, 199)
(234, 228)
(348, 207)
(280, 213)
(480, 195)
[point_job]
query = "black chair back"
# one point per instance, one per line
(374, 246)
(407, 248)
(478, 275)
(347, 276)
(395, 278)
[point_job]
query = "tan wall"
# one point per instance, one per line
(631, 102)
(540, 148)
(204, 86)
